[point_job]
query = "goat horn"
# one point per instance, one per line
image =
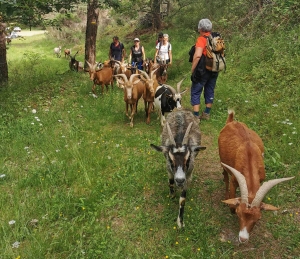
(123, 76)
(186, 135)
(179, 84)
(153, 71)
(89, 64)
(242, 183)
(263, 190)
(172, 140)
(144, 74)
(133, 76)
(171, 88)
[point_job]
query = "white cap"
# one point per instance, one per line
(136, 39)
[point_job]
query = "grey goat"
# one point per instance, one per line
(181, 142)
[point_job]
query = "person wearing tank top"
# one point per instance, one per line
(137, 54)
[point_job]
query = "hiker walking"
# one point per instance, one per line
(116, 50)
(208, 79)
(137, 54)
(163, 51)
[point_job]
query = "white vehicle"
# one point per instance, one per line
(17, 29)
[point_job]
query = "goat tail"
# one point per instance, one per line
(230, 116)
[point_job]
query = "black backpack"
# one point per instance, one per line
(200, 69)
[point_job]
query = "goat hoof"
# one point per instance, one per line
(179, 223)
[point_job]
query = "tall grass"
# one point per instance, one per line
(78, 182)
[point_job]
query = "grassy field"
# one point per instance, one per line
(78, 182)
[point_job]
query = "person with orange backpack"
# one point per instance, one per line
(203, 80)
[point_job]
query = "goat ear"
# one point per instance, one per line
(163, 149)
(234, 201)
(197, 148)
(265, 206)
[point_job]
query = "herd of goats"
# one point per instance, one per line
(241, 150)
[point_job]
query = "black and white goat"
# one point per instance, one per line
(167, 99)
(180, 144)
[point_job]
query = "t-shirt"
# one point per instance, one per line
(116, 51)
(201, 42)
(163, 52)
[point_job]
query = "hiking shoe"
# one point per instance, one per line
(204, 116)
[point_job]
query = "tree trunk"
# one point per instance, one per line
(3, 61)
(91, 31)
(260, 4)
(156, 14)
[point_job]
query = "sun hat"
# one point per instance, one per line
(136, 39)
(166, 35)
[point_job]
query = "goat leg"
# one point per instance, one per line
(226, 180)
(172, 190)
(93, 89)
(232, 192)
(133, 111)
(181, 209)
(127, 110)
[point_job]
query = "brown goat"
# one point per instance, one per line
(102, 76)
(133, 91)
(150, 87)
(241, 153)
(67, 53)
(161, 72)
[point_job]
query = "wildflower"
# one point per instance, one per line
(117, 145)
(174, 227)
(269, 198)
(167, 256)
(11, 222)
(187, 239)
(108, 157)
(176, 243)
(275, 105)
(246, 101)
(290, 143)
(33, 111)
(108, 227)
(199, 249)
(151, 229)
(18, 257)
(16, 244)
(83, 208)
(59, 120)
(2, 175)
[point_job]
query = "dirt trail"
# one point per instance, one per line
(30, 33)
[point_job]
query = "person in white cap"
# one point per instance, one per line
(163, 51)
(137, 54)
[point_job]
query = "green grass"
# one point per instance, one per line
(96, 187)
